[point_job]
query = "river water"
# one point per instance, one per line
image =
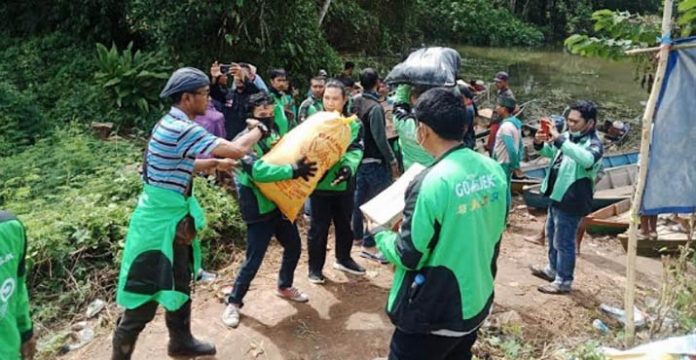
(553, 78)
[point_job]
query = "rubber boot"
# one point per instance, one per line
(123, 344)
(181, 341)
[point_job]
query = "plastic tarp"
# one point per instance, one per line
(434, 66)
(671, 182)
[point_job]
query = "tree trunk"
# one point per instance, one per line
(324, 10)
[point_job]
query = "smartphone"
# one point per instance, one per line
(225, 68)
(545, 126)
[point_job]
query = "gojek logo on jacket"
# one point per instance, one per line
(6, 290)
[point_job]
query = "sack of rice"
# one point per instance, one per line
(322, 138)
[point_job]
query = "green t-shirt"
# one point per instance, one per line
(15, 321)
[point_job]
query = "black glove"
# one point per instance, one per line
(304, 169)
(343, 174)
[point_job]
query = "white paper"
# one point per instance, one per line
(388, 206)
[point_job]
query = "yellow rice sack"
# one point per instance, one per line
(324, 138)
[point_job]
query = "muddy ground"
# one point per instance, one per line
(345, 318)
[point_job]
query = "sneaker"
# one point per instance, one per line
(554, 289)
(292, 294)
(230, 316)
(349, 266)
(316, 278)
(541, 273)
(374, 256)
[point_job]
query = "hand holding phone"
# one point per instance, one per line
(229, 68)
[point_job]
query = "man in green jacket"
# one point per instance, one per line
(285, 110)
(446, 249)
(262, 216)
(313, 103)
(405, 126)
(575, 160)
(332, 200)
(16, 330)
(162, 250)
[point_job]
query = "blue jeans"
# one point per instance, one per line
(258, 237)
(561, 228)
(371, 180)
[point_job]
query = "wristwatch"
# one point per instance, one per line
(263, 128)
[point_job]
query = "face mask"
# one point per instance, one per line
(265, 120)
(419, 141)
(576, 133)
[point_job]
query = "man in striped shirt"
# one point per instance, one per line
(162, 250)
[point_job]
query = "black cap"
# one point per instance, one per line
(501, 76)
(185, 79)
(258, 99)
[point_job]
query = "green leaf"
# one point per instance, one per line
(112, 82)
(686, 5)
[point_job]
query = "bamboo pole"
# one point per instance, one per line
(657, 48)
(648, 115)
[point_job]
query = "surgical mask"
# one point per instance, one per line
(419, 141)
(576, 133)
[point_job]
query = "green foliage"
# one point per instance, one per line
(91, 20)
(619, 31)
(132, 80)
(474, 22)
(20, 120)
(687, 17)
(262, 32)
(590, 350)
(75, 195)
(561, 18)
(55, 72)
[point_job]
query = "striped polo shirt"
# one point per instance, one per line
(176, 140)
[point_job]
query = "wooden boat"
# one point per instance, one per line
(668, 242)
(610, 220)
(535, 174)
(616, 185)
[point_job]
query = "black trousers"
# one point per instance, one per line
(406, 346)
(259, 236)
(339, 209)
(133, 321)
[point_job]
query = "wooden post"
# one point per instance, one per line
(642, 174)
(658, 48)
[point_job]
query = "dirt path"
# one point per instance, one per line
(345, 318)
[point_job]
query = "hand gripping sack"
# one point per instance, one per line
(324, 138)
(435, 66)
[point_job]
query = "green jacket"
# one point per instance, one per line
(405, 126)
(581, 160)
(254, 206)
(146, 267)
(15, 321)
(351, 159)
(282, 101)
(309, 107)
(452, 224)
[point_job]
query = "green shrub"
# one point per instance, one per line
(474, 22)
(132, 80)
(75, 195)
(21, 122)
